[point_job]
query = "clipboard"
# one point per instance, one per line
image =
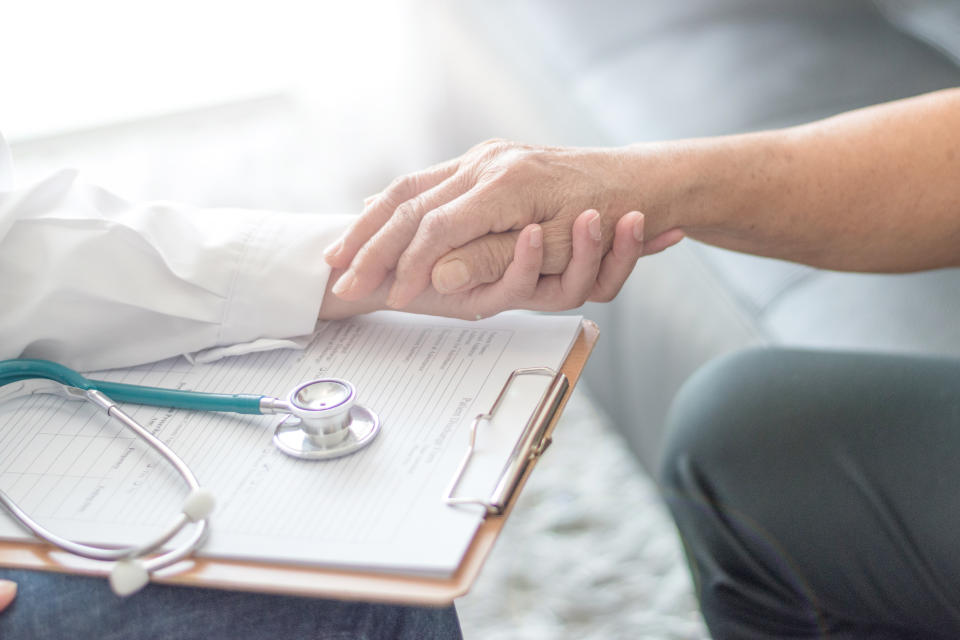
(360, 585)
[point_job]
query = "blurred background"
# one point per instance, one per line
(218, 90)
(343, 96)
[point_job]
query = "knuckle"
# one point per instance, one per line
(407, 213)
(492, 145)
(397, 184)
(502, 164)
(441, 167)
(496, 150)
(496, 177)
(434, 223)
(402, 187)
(463, 180)
(514, 160)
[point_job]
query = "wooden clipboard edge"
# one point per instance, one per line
(317, 582)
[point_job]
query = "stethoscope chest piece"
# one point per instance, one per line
(324, 421)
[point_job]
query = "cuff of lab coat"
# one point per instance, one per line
(281, 277)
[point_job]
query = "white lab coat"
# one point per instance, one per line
(93, 281)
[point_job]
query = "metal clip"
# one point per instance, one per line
(531, 444)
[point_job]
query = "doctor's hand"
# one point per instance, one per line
(8, 591)
(590, 274)
(477, 204)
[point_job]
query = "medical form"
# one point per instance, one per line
(379, 509)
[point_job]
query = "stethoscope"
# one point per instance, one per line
(322, 422)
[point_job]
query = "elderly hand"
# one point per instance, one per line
(589, 274)
(8, 591)
(476, 204)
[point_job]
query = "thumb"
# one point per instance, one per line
(8, 591)
(480, 261)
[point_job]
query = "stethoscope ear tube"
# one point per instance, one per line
(131, 571)
(26, 368)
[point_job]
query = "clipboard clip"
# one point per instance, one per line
(532, 443)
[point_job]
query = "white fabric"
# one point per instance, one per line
(93, 281)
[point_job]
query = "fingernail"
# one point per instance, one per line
(594, 227)
(333, 249)
(451, 275)
(536, 237)
(344, 284)
(8, 589)
(638, 228)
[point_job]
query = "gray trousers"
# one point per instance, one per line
(54, 606)
(817, 494)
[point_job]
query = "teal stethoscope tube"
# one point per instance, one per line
(26, 369)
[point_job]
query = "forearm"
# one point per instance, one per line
(872, 190)
(876, 189)
(97, 282)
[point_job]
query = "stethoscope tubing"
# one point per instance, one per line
(136, 553)
(191, 400)
(25, 368)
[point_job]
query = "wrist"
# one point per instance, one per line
(709, 188)
(671, 183)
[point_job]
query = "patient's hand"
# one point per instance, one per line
(489, 193)
(589, 275)
(8, 591)
(485, 259)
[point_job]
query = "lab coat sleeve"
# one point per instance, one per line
(93, 281)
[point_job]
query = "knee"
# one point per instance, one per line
(718, 414)
(714, 473)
